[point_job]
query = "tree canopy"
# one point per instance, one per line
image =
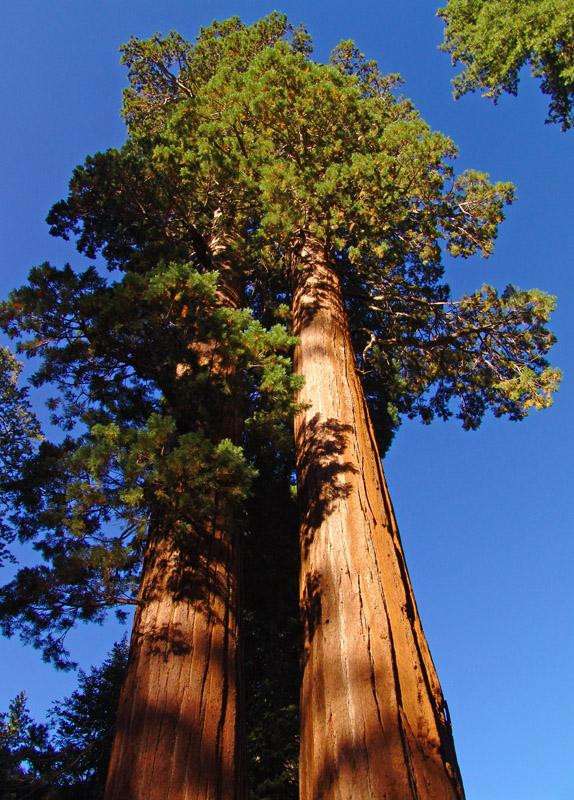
(330, 150)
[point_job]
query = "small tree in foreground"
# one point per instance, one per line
(67, 758)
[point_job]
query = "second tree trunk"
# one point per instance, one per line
(374, 721)
(179, 728)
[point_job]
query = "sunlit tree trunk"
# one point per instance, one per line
(374, 721)
(179, 727)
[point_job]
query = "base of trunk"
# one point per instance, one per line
(177, 732)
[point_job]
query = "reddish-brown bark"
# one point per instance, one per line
(179, 725)
(374, 721)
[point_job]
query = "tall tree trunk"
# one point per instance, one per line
(374, 721)
(179, 726)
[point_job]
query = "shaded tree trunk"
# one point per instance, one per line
(374, 721)
(180, 719)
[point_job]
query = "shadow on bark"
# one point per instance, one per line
(172, 760)
(318, 288)
(374, 771)
(177, 728)
(311, 608)
(321, 471)
(385, 758)
(196, 572)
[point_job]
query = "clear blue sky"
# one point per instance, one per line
(486, 517)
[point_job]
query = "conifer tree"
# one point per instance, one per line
(23, 750)
(329, 193)
(161, 369)
(92, 503)
(67, 757)
(355, 199)
(19, 431)
(82, 728)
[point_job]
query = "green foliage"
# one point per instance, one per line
(487, 350)
(292, 148)
(130, 471)
(142, 368)
(327, 151)
(19, 432)
(347, 57)
(164, 70)
(19, 428)
(494, 39)
(82, 729)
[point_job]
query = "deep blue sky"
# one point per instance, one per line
(486, 517)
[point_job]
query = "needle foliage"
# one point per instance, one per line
(494, 39)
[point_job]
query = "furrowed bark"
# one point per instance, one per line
(374, 721)
(180, 717)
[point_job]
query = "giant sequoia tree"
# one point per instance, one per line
(254, 176)
(163, 369)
